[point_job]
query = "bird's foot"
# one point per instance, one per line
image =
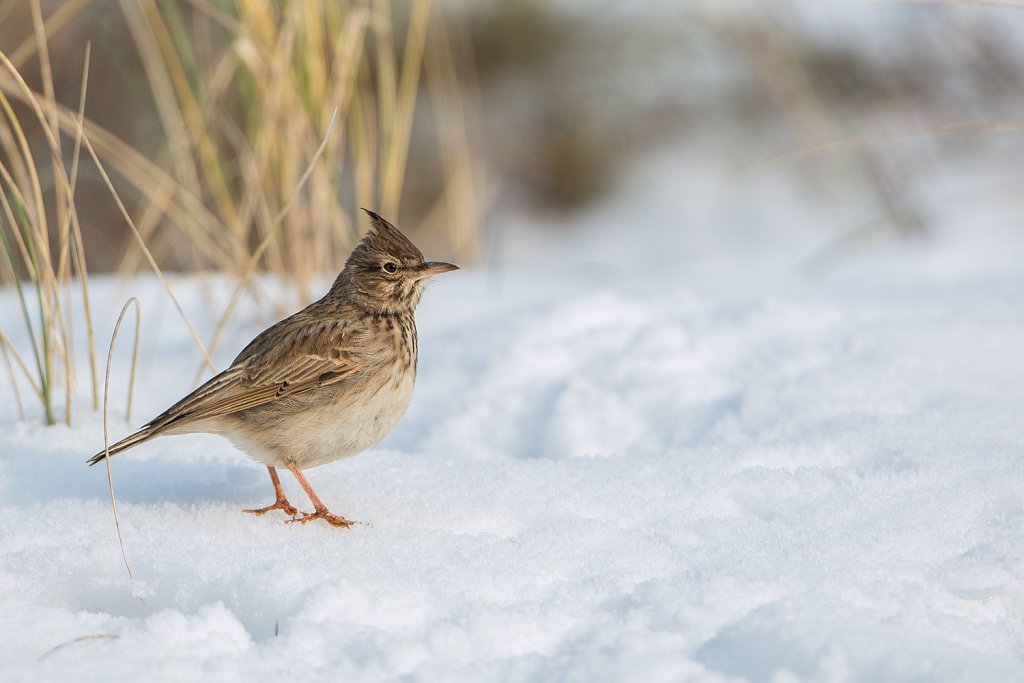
(284, 505)
(329, 517)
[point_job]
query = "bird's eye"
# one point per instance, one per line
(390, 268)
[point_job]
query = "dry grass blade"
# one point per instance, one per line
(78, 244)
(135, 356)
(60, 18)
(80, 639)
(4, 343)
(9, 347)
(106, 408)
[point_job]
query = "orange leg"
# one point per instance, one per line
(281, 503)
(321, 511)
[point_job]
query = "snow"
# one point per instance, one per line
(630, 456)
(690, 476)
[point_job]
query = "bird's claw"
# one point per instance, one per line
(284, 505)
(329, 517)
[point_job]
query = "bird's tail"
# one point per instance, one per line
(144, 434)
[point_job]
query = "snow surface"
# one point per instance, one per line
(679, 476)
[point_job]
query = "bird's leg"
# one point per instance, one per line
(281, 503)
(321, 511)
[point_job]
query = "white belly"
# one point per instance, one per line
(331, 424)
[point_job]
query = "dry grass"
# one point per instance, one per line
(29, 215)
(133, 303)
(245, 95)
(252, 175)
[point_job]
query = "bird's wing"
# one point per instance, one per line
(295, 355)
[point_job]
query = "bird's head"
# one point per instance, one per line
(386, 271)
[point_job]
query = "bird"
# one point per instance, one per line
(325, 383)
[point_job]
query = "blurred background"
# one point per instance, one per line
(592, 139)
(794, 132)
(582, 134)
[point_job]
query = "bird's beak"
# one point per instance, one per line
(434, 268)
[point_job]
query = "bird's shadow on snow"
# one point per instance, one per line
(141, 478)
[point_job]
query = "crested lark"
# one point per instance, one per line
(325, 383)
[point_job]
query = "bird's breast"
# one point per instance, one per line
(359, 415)
(340, 419)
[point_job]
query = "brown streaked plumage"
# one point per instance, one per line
(325, 383)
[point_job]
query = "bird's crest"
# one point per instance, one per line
(383, 238)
